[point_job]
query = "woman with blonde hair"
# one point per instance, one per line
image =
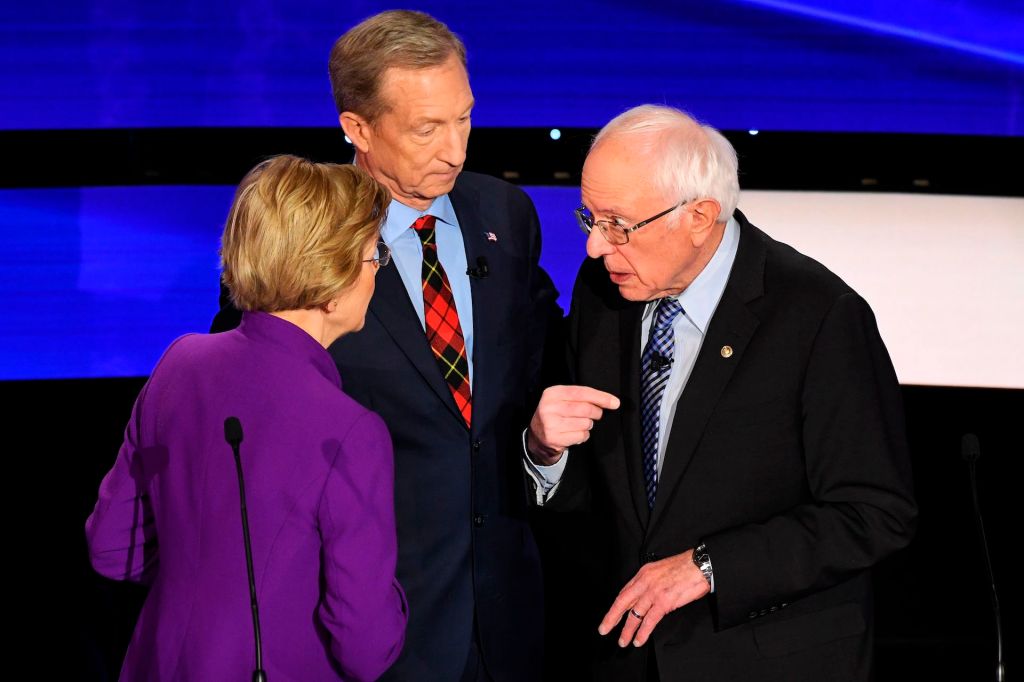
(299, 254)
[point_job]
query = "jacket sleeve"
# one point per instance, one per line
(857, 471)
(363, 606)
(572, 493)
(120, 532)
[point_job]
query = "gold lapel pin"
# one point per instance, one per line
(726, 351)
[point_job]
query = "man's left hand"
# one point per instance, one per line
(657, 589)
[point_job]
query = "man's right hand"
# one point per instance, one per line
(564, 418)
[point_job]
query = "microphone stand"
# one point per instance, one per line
(971, 451)
(233, 435)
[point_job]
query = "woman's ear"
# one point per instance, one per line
(330, 306)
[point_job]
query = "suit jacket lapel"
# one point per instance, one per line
(629, 411)
(391, 306)
(732, 325)
(486, 315)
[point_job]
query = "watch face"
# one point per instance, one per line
(703, 561)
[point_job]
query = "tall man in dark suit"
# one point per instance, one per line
(449, 355)
(757, 465)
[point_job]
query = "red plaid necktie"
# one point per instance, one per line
(442, 320)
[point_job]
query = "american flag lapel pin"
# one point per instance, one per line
(491, 237)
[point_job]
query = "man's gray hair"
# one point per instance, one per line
(403, 39)
(689, 160)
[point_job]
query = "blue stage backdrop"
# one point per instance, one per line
(96, 282)
(931, 66)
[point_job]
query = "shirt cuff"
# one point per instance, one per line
(545, 478)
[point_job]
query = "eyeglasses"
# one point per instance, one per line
(615, 231)
(381, 257)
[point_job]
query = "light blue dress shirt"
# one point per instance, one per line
(699, 302)
(407, 255)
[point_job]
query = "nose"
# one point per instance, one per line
(453, 146)
(597, 245)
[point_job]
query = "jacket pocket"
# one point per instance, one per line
(808, 630)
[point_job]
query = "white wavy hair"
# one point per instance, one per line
(689, 160)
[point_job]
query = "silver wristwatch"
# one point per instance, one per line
(702, 561)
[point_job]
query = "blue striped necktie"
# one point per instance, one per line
(655, 367)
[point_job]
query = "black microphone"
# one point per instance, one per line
(233, 435)
(659, 361)
(481, 270)
(970, 450)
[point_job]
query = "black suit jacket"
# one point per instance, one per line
(466, 556)
(787, 457)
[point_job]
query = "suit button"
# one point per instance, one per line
(476, 446)
(478, 520)
(783, 605)
(773, 609)
(752, 615)
(649, 557)
(764, 612)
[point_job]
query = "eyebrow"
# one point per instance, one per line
(420, 122)
(438, 121)
(605, 211)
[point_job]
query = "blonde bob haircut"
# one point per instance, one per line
(297, 233)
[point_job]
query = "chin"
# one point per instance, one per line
(636, 295)
(631, 295)
(442, 188)
(354, 327)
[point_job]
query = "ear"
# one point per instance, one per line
(330, 306)
(356, 129)
(703, 217)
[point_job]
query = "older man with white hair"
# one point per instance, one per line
(736, 427)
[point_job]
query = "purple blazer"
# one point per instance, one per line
(319, 486)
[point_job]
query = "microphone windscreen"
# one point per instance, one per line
(970, 448)
(232, 430)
